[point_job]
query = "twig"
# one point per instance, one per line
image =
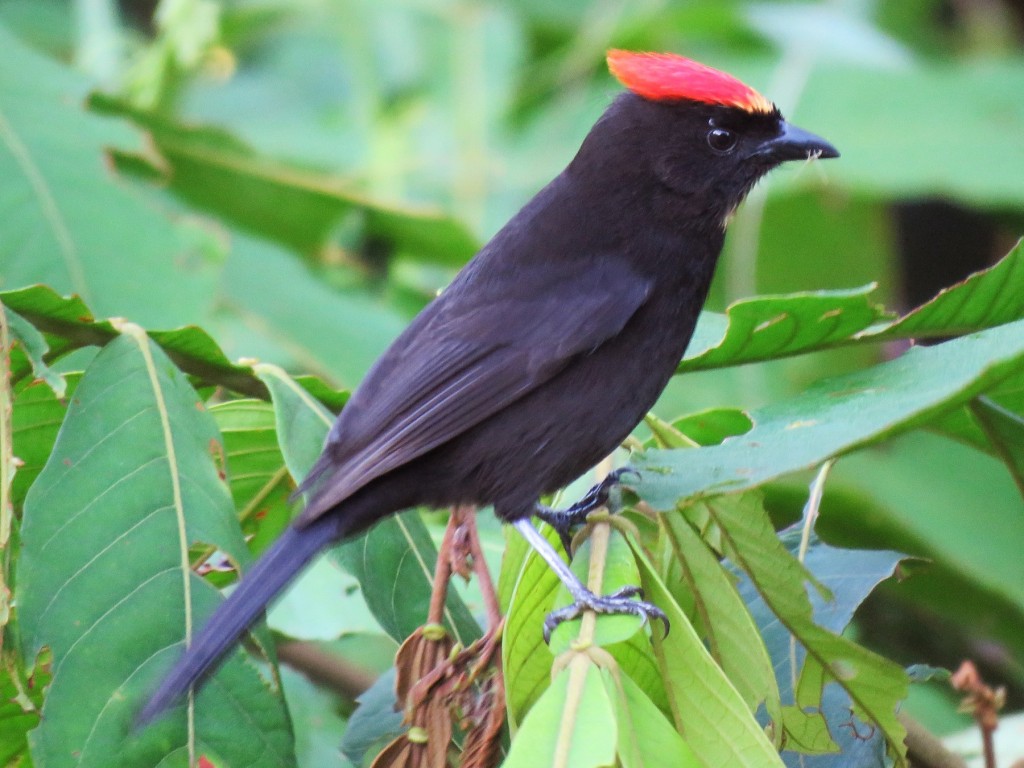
(443, 570)
(925, 750)
(490, 595)
(325, 669)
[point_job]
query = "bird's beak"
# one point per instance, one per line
(794, 143)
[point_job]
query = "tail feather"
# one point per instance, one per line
(271, 574)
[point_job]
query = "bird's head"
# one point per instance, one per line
(704, 136)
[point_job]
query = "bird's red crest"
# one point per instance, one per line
(667, 77)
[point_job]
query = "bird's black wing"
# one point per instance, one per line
(463, 360)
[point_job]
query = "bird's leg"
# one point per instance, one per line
(583, 599)
(564, 520)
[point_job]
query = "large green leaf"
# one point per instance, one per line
(646, 737)
(990, 297)
(105, 581)
(65, 222)
(900, 151)
(69, 324)
(724, 621)
(876, 686)
(768, 327)
(837, 415)
(708, 710)
(573, 725)
(216, 172)
(849, 575)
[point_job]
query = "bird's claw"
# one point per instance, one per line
(619, 602)
(564, 520)
(598, 495)
(564, 532)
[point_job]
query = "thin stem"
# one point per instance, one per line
(812, 507)
(6, 471)
(810, 516)
(325, 669)
(989, 746)
(490, 596)
(443, 570)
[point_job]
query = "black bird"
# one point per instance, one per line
(549, 347)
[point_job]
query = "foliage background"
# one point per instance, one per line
(334, 162)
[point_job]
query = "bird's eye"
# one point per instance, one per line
(722, 140)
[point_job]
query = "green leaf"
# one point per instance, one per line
(105, 539)
(375, 721)
(531, 587)
(20, 703)
(69, 324)
(725, 622)
(28, 352)
(836, 416)
(302, 422)
(319, 727)
(826, 726)
(646, 738)
(769, 327)
(665, 435)
(572, 725)
(892, 153)
(987, 298)
(704, 428)
(807, 733)
(67, 223)
(35, 421)
(214, 171)
(1005, 429)
(708, 711)
(875, 685)
(259, 480)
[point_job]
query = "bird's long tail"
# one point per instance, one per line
(271, 574)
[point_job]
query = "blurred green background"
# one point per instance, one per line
(299, 177)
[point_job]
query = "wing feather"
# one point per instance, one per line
(459, 363)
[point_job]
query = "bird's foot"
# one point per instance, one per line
(619, 602)
(564, 520)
